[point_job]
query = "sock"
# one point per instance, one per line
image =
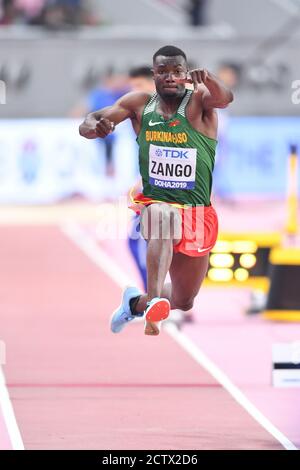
(133, 303)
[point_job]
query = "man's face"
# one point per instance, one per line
(167, 70)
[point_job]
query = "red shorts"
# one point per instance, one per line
(199, 226)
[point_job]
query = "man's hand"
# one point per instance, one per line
(102, 122)
(104, 127)
(196, 77)
(214, 94)
(96, 126)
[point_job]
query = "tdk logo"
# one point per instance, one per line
(172, 153)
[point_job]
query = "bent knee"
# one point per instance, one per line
(185, 304)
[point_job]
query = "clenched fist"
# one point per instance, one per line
(196, 77)
(104, 127)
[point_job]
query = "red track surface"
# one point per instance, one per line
(74, 385)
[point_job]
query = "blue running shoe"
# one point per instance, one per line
(123, 314)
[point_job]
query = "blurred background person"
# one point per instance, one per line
(8, 12)
(60, 14)
(197, 12)
(112, 86)
(52, 14)
(229, 73)
(141, 80)
(30, 9)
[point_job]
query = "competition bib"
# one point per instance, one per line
(172, 167)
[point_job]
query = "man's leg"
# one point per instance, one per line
(161, 227)
(187, 274)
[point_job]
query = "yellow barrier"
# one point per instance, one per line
(283, 303)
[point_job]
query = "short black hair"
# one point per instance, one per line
(142, 71)
(169, 51)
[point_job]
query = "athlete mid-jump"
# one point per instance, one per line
(176, 131)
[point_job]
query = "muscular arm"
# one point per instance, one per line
(216, 95)
(102, 122)
(209, 90)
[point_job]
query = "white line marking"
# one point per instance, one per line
(9, 416)
(90, 247)
(86, 243)
(222, 378)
